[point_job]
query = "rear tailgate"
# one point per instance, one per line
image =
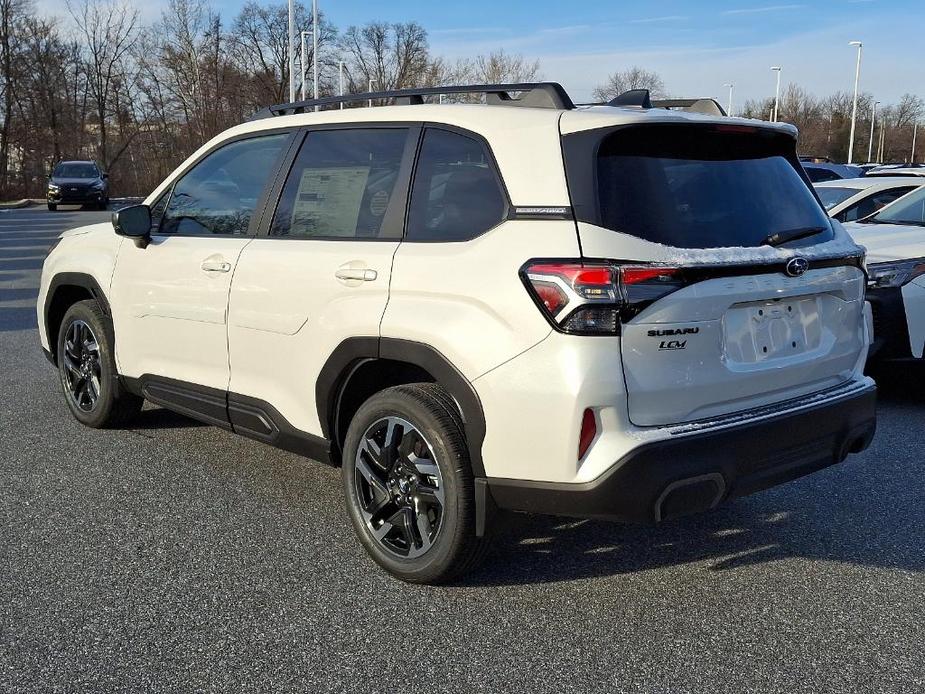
(732, 323)
(733, 343)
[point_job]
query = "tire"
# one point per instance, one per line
(103, 204)
(422, 468)
(87, 369)
(52, 207)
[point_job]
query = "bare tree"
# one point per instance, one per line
(386, 56)
(631, 78)
(107, 28)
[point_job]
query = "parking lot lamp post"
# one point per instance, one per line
(315, 50)
(340, 77)
(302, 62)
(873, 121)
(915, 130)
(854, 109)
(729, 104)
(776, 93)
(291, 50)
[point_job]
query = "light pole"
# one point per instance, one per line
(315, 49)
(873, 121)
(915, 130)
(729, 105)
(291, 50)
(776, 69)
(302, 61)
(340, 77)
(854, 109)
(370, 90)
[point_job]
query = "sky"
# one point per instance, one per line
(697, 47)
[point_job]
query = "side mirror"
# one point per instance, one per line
(104, 175)
(133, 222)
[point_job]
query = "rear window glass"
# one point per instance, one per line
(832, 196)
(695, 187)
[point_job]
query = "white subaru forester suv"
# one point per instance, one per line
(613, 311)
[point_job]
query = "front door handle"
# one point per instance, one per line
(215, 266)
(361, 274)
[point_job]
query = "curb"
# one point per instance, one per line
(15, 205)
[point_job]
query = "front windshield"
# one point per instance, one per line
(832, 196)
(76, 171)
(909, 209)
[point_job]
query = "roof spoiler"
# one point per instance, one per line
(640, 98)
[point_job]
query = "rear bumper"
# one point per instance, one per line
(695, 472)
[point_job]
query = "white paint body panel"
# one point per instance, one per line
(289, 312)
(170, 313)
(89, 250)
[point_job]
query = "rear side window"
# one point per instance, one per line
(701, 187)
(456, 193)
(341, 185)
(831, 197)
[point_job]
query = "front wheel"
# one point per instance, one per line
(87, 369)
(52, 207)
(409, 486)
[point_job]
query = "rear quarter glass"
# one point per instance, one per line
(692, 186)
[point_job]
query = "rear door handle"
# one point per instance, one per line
(361, 274)
(215, 266)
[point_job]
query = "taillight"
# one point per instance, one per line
(592, 298)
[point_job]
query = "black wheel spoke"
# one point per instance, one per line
(399, 486)
(81, 366)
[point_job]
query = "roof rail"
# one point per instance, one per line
(531, 94)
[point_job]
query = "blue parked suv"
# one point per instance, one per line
(78, 183)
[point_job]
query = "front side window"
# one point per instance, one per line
(910, 210)
(219, 194)
(456, 195)
(341, 185)
(704, 188)
(872, 204)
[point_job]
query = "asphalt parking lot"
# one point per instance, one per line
(176, 557)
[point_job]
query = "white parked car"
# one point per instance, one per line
(897, 171)
(852, 199)
(628, 313)
(895, 241)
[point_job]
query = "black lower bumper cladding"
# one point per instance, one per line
(696, 472)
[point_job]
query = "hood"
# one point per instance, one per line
(101, 228)
(888, 242)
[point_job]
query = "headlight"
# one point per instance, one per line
(52, 188)
(894, 274)
(98, 185)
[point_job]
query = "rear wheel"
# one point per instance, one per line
(87, 369)
(409, 486)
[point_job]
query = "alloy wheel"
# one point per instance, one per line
(82, 366)
(399, 486)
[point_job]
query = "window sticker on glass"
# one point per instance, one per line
(328, 201)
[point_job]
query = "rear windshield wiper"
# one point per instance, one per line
(782, 237)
